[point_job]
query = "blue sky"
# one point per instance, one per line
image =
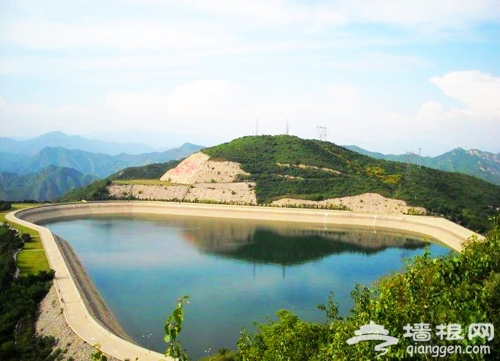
(387, 75)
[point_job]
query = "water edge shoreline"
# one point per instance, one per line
(89, 293)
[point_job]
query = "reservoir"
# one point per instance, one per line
(236, 272)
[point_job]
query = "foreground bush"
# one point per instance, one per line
(445, 295)
(19, 299)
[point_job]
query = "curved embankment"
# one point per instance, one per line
(79, 318)
(88, 292)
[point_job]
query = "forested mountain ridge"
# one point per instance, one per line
(483, 165)
(45, 185)
(96, 164)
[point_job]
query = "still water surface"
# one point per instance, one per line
(235, 272)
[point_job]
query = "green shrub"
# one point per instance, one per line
(456, 289)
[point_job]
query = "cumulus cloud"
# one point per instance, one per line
(479, 92)
(196, 106)
(473, 123)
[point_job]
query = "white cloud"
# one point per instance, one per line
(382, 62)
(199, 107)
(431, 110)
(206, 99)
(218, 108)
(473, 124)
(209, 24)
(128, 34)
(425, 14)
(27, 119)
(5, 68)
(345, 99)
(479, 92)
(263, 13)
(212, 107)
(138, 105)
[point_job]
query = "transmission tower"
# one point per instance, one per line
(287, 129)
(408, 164)
(419, 158)
(257, 127)
(322, 132)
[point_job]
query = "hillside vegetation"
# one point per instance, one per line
(288, 166)
(98, 190)
(19, 298)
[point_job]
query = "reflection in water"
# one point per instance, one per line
(235, 271)
(289, 247)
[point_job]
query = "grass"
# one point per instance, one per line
(32, 261)
(22, 229)
(32, 258)
(143, 182)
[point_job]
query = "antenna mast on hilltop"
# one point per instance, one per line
(322, 132)
(287, 129)
(257, 127)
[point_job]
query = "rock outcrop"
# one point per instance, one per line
(367, 202)
(196, 179)
(198, 168)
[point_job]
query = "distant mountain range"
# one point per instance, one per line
(48, 166)
(60, 139)
(473, 162)
(97, 164)
(44, 185)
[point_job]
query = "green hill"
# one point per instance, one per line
(288, 166)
